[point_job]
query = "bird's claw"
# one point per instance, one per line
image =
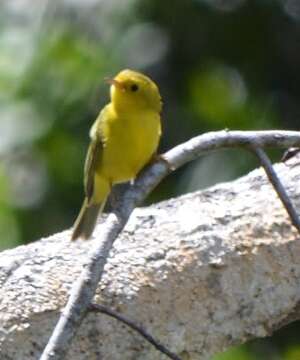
(165, 161)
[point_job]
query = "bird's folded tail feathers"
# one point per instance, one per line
(86, 220)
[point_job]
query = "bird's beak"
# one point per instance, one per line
(118, 84)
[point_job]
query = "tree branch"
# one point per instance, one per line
(279, 188)
(84, 289)
(129, 322)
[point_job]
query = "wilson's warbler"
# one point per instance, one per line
(124, 137)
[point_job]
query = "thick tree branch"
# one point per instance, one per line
(176, 258)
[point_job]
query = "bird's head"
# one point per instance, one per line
(133, 90)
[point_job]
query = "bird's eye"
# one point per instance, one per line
(134, 87)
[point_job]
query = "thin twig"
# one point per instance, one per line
(277, 185)
(84, 289)
(105, 310)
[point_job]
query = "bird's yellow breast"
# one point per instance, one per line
(130, 140)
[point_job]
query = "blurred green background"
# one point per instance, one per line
(219, 64)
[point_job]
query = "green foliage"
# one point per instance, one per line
(219, 97)
(63, 76)
(293, 353)
(238, 353)
(9, 229)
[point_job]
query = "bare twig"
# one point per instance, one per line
(85, 287)
(104, 310)
(278, 187)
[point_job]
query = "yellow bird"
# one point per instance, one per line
(124, 138)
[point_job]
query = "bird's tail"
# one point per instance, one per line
(86, 220)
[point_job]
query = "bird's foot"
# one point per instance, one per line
(159, 157)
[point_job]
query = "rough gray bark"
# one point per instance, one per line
(201, 272)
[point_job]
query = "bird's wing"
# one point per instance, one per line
(93, 156)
